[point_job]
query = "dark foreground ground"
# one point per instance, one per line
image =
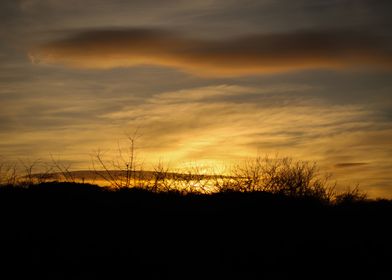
(69, 231)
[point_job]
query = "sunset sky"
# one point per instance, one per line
(206, 83)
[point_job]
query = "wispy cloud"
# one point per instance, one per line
(253, 54)
(193, 122)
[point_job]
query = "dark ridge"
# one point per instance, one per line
(82, 231)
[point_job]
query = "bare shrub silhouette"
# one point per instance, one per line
(160, 179)
(36, 172)
(64, 170)
(351, 195)
(25, 173)
(120, 172)
(8, 174)
(281, 176)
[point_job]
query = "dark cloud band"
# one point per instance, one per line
(350, 164)
(253, 54)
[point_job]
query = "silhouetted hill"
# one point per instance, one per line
(81, 231)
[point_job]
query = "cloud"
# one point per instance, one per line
(179, 120)
(350, 164)
(252, 54)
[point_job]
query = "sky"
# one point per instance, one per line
(208, 83)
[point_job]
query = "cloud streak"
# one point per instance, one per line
(350, 164)
(247, 55)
